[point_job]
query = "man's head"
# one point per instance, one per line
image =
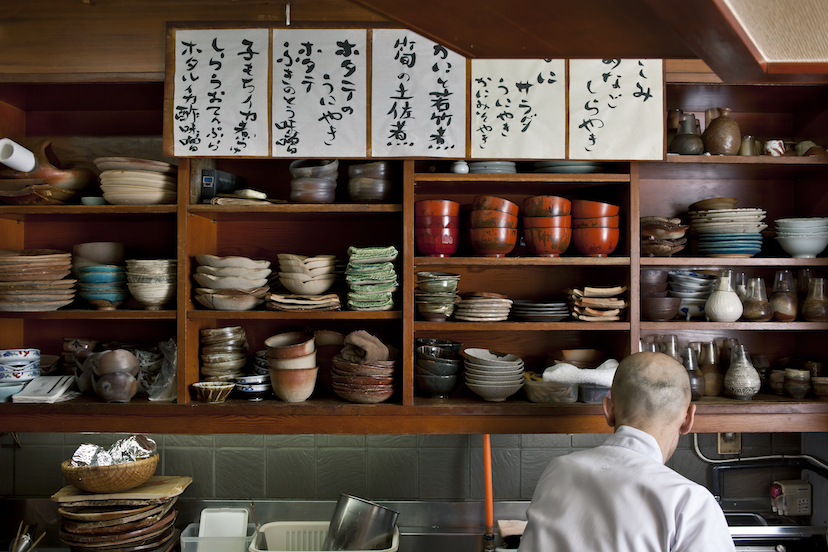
(651, 392)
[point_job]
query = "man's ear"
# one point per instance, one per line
(689, 418)
(609, 412)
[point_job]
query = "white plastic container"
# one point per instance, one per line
(300, 535)
(191, 542)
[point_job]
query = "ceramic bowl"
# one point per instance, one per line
(487, 218)
(548, 222)
(714, 203)
(293, 385)
(364, 394)
(228, 282)
(213, 260)
(546, 206)
(314, 168)
(295, 363)
(453, 346)
(378, 169)
(19, 356)
(152, 296)
(595, 242)
(493, 242)
(492, 203)
(213, 391)
(290, 344)
(494, 393)
(437, 221)
(437, 286)
(692, 308)
(224, 271)
(589, 209)
(820, 385)
(582, 358)
(491, 358)
(803, 248)
(437, 241)
(238, 301)
(801, 223)
(659, 309)
(102, 277)
(653, 288)
(370, 190)
(254, 379)
(547, 242)
(115, 387)
(117, 360)
(312, 190)
(438, 367)
(93, 200)
(315, 286)
(436, 207)
(653, 276)
(596, 222)
(437, 387)
(7, 389)
(437, 352)
(106, 253)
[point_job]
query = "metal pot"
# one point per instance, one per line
(358, 524)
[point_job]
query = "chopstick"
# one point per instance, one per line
(37, 541)
(16, 538)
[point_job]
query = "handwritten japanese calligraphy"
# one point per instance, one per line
(319, 93)
(612, 100)
(418, 101)
(220, 92)
(518, 109)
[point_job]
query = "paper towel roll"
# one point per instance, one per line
(16, 157)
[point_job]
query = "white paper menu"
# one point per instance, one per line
(220, 93)
(319, 98)
(616, 109)
(418, 97)
(518, 108)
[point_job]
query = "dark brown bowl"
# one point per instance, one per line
(653, 276)
(653, 288)
(659, 309)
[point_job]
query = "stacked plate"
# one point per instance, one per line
(802, 238)
(540, 311)
(693, 288)
(436, 295)
(307, 275)
(491, 375)
(367, 383)
(149, 183)
(19, 365)
(598, 304)
(291, 302)
(483, 307)
(492, 167)
(231, 283)
(568, 167)
(32, 280)
(371, 277)
(103, 286)
(152, 281)
(729, 232)
(223, 353)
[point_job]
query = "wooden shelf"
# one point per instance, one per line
(83, 314)
(520, 326)
(763, 414)
(714, 262)
(748, 326)
(521, 177)
(304, 315)
(251, 212)
(23, 210)
(521, 261)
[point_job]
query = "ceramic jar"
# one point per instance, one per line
(756, 305)
(722, 135)
(815, 306)
(709, 366)
(783, 299)
(687, 140)
(673, 121)
(741, 380)
(723, 305)
(697, 380)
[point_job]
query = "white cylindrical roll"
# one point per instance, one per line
(15, 156)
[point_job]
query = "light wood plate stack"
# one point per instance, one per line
(33, 280)
(598, 304)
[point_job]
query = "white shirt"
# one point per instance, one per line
(620, 497)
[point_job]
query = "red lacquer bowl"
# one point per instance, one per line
(547, 242)
(495, 204)
(437, 242)
(436, 207)
(547, 222)
(595, 242)
(444, 221)
(582, 208)
(487, 218)
(546, 206)
(596, 222)
(493, 242)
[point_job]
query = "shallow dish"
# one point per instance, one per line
(213, 391)
(213, 260)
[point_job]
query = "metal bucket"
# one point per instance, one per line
(358, 524)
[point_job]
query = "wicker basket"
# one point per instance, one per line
(110, 479)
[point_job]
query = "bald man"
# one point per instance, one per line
(619, 496)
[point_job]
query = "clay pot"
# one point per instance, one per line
(119, 360)
(687, 141)
(722, 135)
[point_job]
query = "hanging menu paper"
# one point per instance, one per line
(418, 97)
(518, 109)
(616, 109)
(319, 96)
(220, 93)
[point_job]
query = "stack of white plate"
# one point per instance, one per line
(304, 275)
(231, 283)
(474, 308)
(144, 183)
(802, 238)
(493, 376)
(32, 280)
(492, 167)
(693, 288)
(729, 232)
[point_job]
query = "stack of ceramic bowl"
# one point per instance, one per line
(438, 361)
(437, 227)
(293, 366)
(595, 227)
(436, 295)
(540, 311)
(19, 365)
(223, 353)
(152, 281)
(253, 387)
(370, 182)
(547, 225)
(493, 230)
(493, 376)
(231, 283)
(103, 286)
(32, 280)
(307, 275)
(802, 238)
(371, 277)
(368, 383)
(655, 305)
(492, 167)
(483, 307)
(728, 232)
(693, 288)
(127, 181)
(96, 253)
(114, 375)
(662, 237)
(314, 180)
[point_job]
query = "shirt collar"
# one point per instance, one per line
(636, 440)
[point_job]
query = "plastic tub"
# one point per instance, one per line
(300, 535)
(191, 542)
(550, 391)
(590, 393)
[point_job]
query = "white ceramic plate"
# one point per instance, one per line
(142, 175)
(152, 184)
(731, 228)
(133, 164)
(246, 262)
(157, 198)
(135, 189)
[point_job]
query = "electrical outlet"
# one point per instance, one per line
(730, 443)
